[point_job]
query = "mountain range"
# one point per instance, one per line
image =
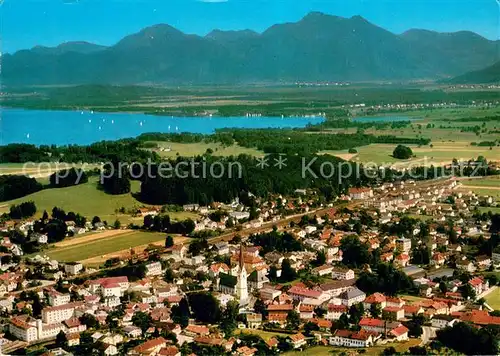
(317, 48)
(487, 75)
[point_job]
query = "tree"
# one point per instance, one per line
(61, 339)
(260, 307)
(205, 307)
(389, 351)
(356, 311)
(89, 320)
(417, 350)
(148, 221)
(117, 224)
(443, 287)
(467, 291)
(469, 340)
(96, 220)
(115, 181)
(320, 258)
(355, 253)
(342, 323)
(67, 178)
(228, 319)
(180, 313)
(169, 241)
(293, 320)
(309, 327)
(288, 274)
(402, 152)
(169, 275)
(375, 310)
(142, 320)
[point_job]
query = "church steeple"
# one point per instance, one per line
(242, 260)
(241, 285)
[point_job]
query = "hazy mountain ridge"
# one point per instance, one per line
(487, 75)
(318, 48)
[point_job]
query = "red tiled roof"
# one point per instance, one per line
(198, 329)
(375, 298)
(305, 292)
(371, 322)
(392, 309)
(477, 281)
(400, 330)
(297, 337)
(337, 308)
(169, 351)
(280, 307)
(150, 344)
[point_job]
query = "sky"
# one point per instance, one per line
(26, 23)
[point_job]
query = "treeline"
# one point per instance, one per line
(68, 178)
(127, 150)
(298, 142)
(289, 141)
(14, 186)
(23, 210)
(470, 340)
(206, 188)
(347, 123)
(163, 223)
(475, 119)
(276, 241)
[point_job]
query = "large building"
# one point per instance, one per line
(241, 285)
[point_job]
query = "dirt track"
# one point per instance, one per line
(91, 237)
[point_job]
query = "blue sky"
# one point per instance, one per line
(26, 23)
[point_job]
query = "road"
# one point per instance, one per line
(427, 334)
(268, 226)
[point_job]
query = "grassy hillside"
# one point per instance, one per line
(87, 200)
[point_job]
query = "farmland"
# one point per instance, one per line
(87, 247)
(493, 299)
(88, 200)
(174, 149)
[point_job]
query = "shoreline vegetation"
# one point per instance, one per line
(271, 101)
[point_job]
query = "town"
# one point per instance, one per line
(408, 266)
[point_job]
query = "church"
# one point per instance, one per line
(244, 282)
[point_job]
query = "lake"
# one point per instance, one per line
(45, 127)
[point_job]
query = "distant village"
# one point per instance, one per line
(294, 273)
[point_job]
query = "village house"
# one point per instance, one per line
(297, 340)
(352, 296)
(479, 285)
(342, 273)
(360, 193)
(442, 321)
(393, 313)
(73, 268)
(347, 338)
(149, 348)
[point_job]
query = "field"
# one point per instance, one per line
(265, 335)
(411, 298)
(332, 350)
(87, 200)
(196, 149)
(492, 209)
(483, 186)
(493, 299)
(39, 170)
(104, 245)
(441, 153)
